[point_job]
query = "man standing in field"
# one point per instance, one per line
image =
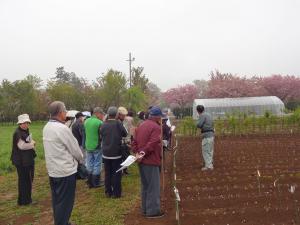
(62, 154)
(205, 123)
(93, 147)
(147, 146)
(77, 130)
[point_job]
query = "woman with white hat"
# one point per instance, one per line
(22, 157)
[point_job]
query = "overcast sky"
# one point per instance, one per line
(175, 41)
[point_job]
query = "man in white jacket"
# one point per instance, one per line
(62, 154)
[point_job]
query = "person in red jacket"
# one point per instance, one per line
(147, 146)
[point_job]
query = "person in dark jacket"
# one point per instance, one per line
(166, 133)
(78, 132)
(112, 131)
(77, 127)
(147, 146)
(22, 157)
(141, 117)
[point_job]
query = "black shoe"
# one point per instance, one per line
(155, 216)
(89, 181)
(24, 203)
(96, 181)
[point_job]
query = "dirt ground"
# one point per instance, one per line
(251, 183)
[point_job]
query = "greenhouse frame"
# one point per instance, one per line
(220, 107)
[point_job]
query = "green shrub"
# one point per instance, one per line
(187, 126)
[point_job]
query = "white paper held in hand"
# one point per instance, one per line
(129, 161)
(173, 128)
(29, 138)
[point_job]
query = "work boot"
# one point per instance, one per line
(89, 181)
(96, 181)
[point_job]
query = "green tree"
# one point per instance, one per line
(18, 97)
(135, 99)
(66, 93)
(153, 94)
(35, 81)
(62, 76)
(139, 79)
(112, 88)
(8, 101)
(27, 96)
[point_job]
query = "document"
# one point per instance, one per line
(129, 161)
(173, 128)
(29, 138)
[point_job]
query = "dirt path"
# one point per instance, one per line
(46, 215)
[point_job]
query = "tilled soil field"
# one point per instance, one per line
(256, 181)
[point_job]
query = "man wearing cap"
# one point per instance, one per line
(112, 131)
(205, 123)
(77, 130)
(93, 147)
(147, 146)
(22, 157)
(126, 141)
(62, 155)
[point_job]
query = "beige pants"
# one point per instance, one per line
(208, 151)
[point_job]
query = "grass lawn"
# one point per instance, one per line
(91, 205)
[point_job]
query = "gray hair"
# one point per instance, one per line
(98, 110)
(56, 107)
(112, 111)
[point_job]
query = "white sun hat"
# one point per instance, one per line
(23, 119)
(86, 113)
(71, 113)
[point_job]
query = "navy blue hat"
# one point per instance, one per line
(155, 111)
(79, 114)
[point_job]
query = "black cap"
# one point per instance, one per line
(79, 114)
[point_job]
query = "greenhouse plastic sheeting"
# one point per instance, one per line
(220, 107)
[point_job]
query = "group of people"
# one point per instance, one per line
(103, 137)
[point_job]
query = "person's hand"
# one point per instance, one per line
(140, 156)
(33, 142)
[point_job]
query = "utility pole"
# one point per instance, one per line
(130, 60)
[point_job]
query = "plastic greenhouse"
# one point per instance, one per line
(219, 107)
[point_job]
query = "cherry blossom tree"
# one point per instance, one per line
(287, 88)
(181, 96)
(226, 85)
(201, 86)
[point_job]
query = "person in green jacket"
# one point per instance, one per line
(93, 147)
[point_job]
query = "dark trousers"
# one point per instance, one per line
(150, 191)
(25, 179)
(63, 196)
(112, 179)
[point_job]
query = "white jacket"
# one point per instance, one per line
(61, 150)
